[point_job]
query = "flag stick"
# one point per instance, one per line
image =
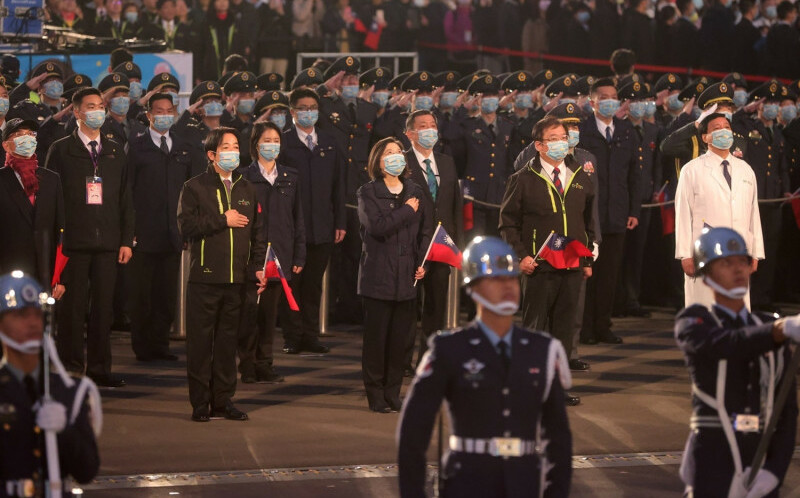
(264, 270)
(429, 247)
(543, 245)
(661, 190)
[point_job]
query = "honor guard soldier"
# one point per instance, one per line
(391, 122)
(115, 89)
(135, 91)
(45, 87)
(274, 107)
(689, 96)
(446, 107)
(164, 83)
(203, 115)
(240, 90)
(739, 85)
(667, 89)
(269, 82)
(504, 387)
(24, 415)
(308, 78)
(73, 84)
(375, 83)
(736, 361)
(519, 88)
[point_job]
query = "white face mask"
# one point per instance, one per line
(28, 347)
(503, 308)
(735, 293)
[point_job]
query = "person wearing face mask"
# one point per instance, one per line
(135, 91)
(203, 115)
(375, 82)
(161, 83)
(98, 235)
(396, 231)
(278, 194)
(45, 87)
(115, 88)
(516, 376)
(161, 160)
(30, 240)
(519, 87)
(320, 165)
(273, 107)
(667, 88)
(552, 193)
(218, 215)
(27, 415)
(240, 103)
(717, 189)
(736, 359)
(420, 86)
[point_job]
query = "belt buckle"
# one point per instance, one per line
(506, 446)
(746, 423)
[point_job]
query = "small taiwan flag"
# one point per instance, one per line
(667, 213)
(564, 252)
(61, 261)
(443, 249)
(272, 269)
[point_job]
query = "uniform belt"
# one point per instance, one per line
(20, 487)
(713, 422)
(496, 446)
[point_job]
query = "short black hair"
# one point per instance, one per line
(682, 5)
(158, 96)
(160, 3)
(374, 161)
(668, 11)
(545, 124)
(302, 93)
(258, 130)
(215, 137)
(622, 60)
(414, 115)
(120, 55)
(234, 62)
(707, 121)
(784, 9)
(746, 6)
(79, 95)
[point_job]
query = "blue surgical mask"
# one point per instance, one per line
(728, 115)
(427, 138)
(4, 105)
(394, 164)
(278, 119)
(523, 101)
(788, 113)
(24, 145)
(673, 103)
(650, 108)
(583, 17)
(269, 151)
(771, 11)
(423, 102)
(588, 109)
(163, 122)
(698, 4)
(722, 139)
(574, 138)
(135, 90)
(557, 150)
(380, 98)
(120, 105)
(489, 105)
(94, 119)
(740, 98)
(228, 159)
(53, 89)
(245, 106)
(307, 119)
(349, 91)
(637, 109)
(132, 17)
(607, 107)
(448, 100)
(770, 111)
(213, 108)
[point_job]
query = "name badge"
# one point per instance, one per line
(94, 191)
(746, 423)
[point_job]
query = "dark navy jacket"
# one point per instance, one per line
(488, 164)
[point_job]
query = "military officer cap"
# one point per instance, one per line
(129, 69)
(4, 82)
(421, 82)
(271, 100)
(74, 83)
(398, 80)
(669, 81)
(568, 113)
(448, 80)
(717, 243)
(693, 89)
(18, 290)
(13, 125)
(735, 79)
(269, 81)
(543, 77)
(321, 65)
(307, 77)
(564, 85)
(166, 79)
(114, 81)
(464, 82)
(485, 85)
(206, 89)
(488, 257)
(241, 82)
(26, 109)
(348, 64)
(583, 85)
(601, 82)
(224, 78)
(770, 90)
(633, 91)
(518, 80)
(50, 69)
(378, 76)
(718, 93)
(630, 78)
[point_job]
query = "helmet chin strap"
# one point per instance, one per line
(735, 293)
(503, 308)
(27, 347)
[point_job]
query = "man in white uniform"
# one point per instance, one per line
(716, 189)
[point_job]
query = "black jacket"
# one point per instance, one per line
(30, 233)
(281, 215)
(395, 239)
(219, 254)
(105, 227)
(684, 40)
(745, 37)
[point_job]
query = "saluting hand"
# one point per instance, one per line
(235, 219)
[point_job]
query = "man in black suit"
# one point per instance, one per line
(436, 174)
(685, 37)
(98, 234)
(31, 207)
(745, 37)
(783, 43)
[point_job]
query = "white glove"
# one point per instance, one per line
(52, 416)
(705, 114)
(595, 251)
(791, 328)
(763, 484)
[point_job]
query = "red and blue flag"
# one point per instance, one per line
(272, 269)
(443, 249)
(564, 252)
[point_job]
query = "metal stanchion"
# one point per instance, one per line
(323, 303)
(451, 318)
(179, 330)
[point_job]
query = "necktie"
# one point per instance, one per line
(352, 109)
(164, 146)
(726, 173)
(638, 131)
(431, 176)
(491, 131)
(769, 133)
(738, 322)
(30, 388)
(93, 153)
(608, 134)
(557, 181)
(227, 186)
(502, 349)
(310, 142)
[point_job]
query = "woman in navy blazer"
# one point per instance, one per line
(395, 235)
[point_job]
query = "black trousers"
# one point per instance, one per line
(601, 286)
(549, 303)
(387, 325)
(486, 221)
(763, 279)
(303, 326)
(89, 277)
(344, 274)
(434, 304)
(257, 326)
(630, 287)
(212, 327)
(154, 292)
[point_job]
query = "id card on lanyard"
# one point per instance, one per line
(94, 184)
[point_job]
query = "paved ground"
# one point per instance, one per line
(635, 400)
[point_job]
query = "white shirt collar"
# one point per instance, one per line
(744, 314)
(562, 171)
(85, 139)
(156, 137)
(421, 159)
(302, 135)
(271, 176)
(601, 126)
